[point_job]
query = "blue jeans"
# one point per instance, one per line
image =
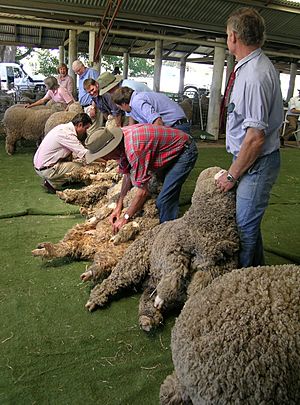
(252, 197)
(167, 201)
(186, 127)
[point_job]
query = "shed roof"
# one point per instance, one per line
(187, 27)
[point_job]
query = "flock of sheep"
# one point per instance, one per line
(237, 338)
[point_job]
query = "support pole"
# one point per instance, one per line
(215, 92)
(72, 55)
(293, 72)
(157, 64)
(61, 54)
(181, 75)
(230, 65)
(125, 65)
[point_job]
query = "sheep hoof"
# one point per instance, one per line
(86, 276)
(158, 302)
(90, 306)
(39, 252)
(145, 323)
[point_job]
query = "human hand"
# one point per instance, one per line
(114, 216)
(222, 182)
(117, 225)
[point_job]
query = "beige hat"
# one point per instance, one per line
(107, 81)
(101, 142)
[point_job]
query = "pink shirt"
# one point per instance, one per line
(60, 95)
(58, 144)
(67, 82)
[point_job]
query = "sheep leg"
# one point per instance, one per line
(149, 316)
(131, 270)
(51, 250)
(172, 287)
(10, 143)
(172, 392)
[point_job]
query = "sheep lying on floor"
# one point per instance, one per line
(94, 237)
(205, 238)
(100, 178)
(237, 340)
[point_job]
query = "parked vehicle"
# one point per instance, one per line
(14, 76)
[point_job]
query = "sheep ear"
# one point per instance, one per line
(199, 281)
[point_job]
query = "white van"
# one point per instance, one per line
(13, 75)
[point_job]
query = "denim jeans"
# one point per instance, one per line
(253, 193)
(185, 127)
(167, 201)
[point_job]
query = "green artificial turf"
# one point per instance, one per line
(53, 351)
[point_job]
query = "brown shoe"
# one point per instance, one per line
(47, 186)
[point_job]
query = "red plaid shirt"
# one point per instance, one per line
(149, 148)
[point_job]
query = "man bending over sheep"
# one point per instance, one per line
(51, 160)
(142, 149)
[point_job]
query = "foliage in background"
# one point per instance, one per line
(47, 63)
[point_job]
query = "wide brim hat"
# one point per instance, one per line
(101, 142)
(107, 81)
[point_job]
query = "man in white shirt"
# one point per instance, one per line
(52, 160)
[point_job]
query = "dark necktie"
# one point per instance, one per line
(226, 98)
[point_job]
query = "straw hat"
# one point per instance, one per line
(107, 81)
(101, 142)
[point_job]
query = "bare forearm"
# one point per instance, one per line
(126, 186)
(137, 203)
(249, 152)
(158, 121)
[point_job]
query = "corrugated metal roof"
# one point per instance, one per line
(199, 19)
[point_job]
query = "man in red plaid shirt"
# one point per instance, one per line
(141, 150)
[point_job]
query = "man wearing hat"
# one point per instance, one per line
(292, 117)
(141, 150)
(151, 107)
(103, 103)
(109, 83)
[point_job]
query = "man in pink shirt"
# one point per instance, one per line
(55, 92)
(52, 159)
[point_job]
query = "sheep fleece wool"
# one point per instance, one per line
(237, 341)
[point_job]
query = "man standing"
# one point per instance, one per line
(151, 107)
(292, 117)
(52, 159)
(143, 149)
(84, 73)
(255, 114)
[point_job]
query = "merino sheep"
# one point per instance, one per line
(25, 123)
(237, 340)
(62, 117)
(94, 237)
(205, 238)
(101, 176)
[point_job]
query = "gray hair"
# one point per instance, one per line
(51, 82)
(77, 64)
(249, 26)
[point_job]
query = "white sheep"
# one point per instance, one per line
(23, 123)
(237, 340)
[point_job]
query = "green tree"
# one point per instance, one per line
(137, 66)
(47, 63)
